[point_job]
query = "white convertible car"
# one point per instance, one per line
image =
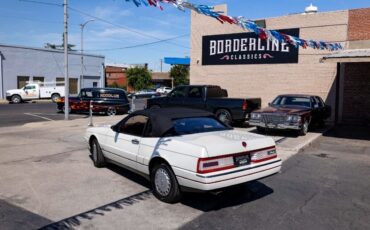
(180, 149)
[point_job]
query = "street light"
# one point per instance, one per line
(82, 50)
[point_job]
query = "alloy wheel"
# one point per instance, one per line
(111, 111)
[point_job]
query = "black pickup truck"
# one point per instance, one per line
(211, 98)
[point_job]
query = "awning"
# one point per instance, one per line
(177, 61)
(355, 55)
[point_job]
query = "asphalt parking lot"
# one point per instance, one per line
(20, 114)
(47, 180)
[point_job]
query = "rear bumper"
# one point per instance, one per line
(241, 116)
(214, 181)
(273, 126)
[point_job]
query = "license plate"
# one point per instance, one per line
(271, 125)
(241, 160)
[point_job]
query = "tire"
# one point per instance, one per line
(224, 116)
(97, 154)
(304, 128)
(111, 111)
(164, 184)
(16, 99)
(154, 107)
(55, 97)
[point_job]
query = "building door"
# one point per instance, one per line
(73, 84)
(356, 94)
(22, 81)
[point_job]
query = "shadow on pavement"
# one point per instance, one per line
(13, 217)
(350, 132)
(232, 196)
(73, 221)
(289, 133)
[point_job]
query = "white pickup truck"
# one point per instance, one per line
(34, 91)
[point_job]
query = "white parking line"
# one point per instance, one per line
(34, 115)
(56, 114)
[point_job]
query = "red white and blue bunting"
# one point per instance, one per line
(244, 23)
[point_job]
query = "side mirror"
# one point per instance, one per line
(114, 128)
(316, 106)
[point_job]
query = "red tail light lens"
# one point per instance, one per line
(207, 165)
(265, 155)
(214, 164)
(245, 105)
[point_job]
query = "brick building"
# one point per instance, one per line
(115, 75)
(343, 82)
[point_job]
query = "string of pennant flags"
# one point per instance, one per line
(241, 21)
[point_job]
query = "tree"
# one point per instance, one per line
(139, 78)
(180, 74)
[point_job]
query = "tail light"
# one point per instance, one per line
(207, 165)
(265, 155)
(214, 164)
(245, 105)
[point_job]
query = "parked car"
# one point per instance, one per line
(295, 112)
(210, 98)
(164, 90)
(104, 100)
(180, 149)
(145, 93)
(33, 91)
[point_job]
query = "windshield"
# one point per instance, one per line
(197, 125)
(286, 101)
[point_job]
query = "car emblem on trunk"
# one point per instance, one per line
(244, 144)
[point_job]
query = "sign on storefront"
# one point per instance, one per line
(247, 48)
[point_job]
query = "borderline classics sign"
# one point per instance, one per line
(247, 48)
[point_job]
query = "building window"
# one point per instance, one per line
(95, 84)
(22, 81)
(38, 79)
(60, 81)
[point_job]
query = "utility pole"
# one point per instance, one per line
(82, 51)
(161, 65)
(66, 79)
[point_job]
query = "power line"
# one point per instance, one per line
(42, 2)
(140, 45)
(159, 40)
(34, 20)
(126, 28)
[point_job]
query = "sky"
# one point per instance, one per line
(27, 23)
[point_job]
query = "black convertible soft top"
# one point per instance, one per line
(161, 119)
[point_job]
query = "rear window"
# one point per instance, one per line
(215, 92)
(197, 125)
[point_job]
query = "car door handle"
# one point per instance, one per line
(135, 141)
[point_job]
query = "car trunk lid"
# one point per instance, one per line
(228, 142)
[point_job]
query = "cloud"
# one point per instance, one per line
(111, 13)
